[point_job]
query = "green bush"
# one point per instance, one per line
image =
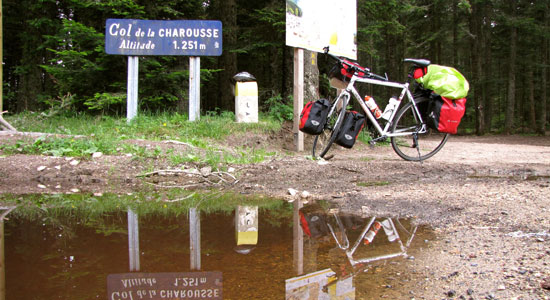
(279, 109)
(103, 101)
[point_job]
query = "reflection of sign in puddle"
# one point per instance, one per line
(320, 285)
(192, 285)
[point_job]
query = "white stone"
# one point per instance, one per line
(292, 192)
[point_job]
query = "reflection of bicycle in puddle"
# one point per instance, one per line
(356, 243)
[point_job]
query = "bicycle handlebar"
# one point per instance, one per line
(367, 71)
(378, 77)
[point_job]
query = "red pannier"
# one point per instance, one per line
(419, 72)
(445, 114)
(313, 221)
(340, 74)
(314, 116)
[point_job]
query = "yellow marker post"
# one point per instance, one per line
(246, 102)
(246, 219)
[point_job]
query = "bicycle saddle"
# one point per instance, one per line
(419, 62)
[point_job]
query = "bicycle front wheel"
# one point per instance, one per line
(415, 146)
(323, 141)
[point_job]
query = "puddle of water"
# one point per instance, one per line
(123, 255)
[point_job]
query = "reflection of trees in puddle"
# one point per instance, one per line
(347, 244)
(158, 239)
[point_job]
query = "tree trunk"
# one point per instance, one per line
(455, 33)
(228, 59)
(541, 128)
(288, 71)
(532, 114)
(476, 60)
(30, 76)
(311, 76)
(29, 87)
(488, 88)
(511, 99)
(436, 27)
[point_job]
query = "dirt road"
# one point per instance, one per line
(487, 199)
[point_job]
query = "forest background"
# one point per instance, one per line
(54, 56)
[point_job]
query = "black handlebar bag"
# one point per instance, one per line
(351, 126)
(314, 116)
(341, 73)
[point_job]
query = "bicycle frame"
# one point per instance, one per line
(350, 252)
(384, 132)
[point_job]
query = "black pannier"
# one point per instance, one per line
(351, 126)
(314, 116)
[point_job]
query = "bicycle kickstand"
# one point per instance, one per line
(415, 145)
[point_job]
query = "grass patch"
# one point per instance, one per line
(366, 136)
(107, 213)
(366, 158)
(108, 135)
(159, 126)
(168, 203)
(373, 183)
(60, 146)
(215, 157)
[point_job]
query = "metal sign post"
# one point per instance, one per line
(135, 38)
(194, 88)
(133, 240)
(195, 238)
(132, 90)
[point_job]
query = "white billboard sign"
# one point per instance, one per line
(315, 24)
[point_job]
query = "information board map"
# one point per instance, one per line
(315, 24)
(154, 37)
(148, 286)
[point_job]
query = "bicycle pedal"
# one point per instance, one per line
(371, 144)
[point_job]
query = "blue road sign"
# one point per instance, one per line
(154, 37)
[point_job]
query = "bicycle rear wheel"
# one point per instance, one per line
(415, 146)
(323, 141)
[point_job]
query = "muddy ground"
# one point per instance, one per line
(487, 199)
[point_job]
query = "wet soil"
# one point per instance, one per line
(487, 199)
